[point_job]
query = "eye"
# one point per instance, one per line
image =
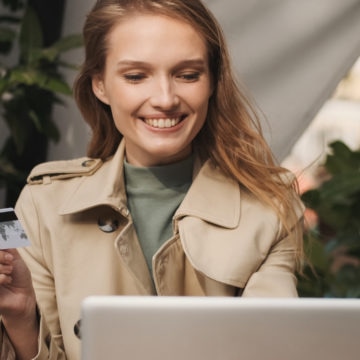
(134, 78)
(189, 76)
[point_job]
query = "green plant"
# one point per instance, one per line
(333, 248)
(28, 90)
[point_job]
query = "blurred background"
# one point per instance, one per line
(299, 61)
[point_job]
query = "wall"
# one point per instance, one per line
(291, 55)
(74, 131)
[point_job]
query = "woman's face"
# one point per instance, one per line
(157, 84)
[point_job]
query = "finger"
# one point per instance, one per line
(13, 252)
(6, 269)
(9, 254)
(5, 279)
(6, 257)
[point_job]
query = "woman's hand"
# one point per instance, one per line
(17, 296)
(18, 304)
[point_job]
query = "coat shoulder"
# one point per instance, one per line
(63, 169)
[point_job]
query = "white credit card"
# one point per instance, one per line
(12, 234)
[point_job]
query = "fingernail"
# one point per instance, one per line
(9, 257)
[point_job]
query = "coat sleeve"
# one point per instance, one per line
(276, 275)
(6, 350)
(48, 349)
(50, 339)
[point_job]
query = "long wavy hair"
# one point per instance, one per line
(231, 136)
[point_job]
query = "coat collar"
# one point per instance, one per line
(212, 196)
(105, 187)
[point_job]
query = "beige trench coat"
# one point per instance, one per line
(225, 243)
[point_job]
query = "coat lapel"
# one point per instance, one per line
(212, 197)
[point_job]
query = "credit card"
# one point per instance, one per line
(12, 234)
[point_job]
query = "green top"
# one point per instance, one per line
(154, 194)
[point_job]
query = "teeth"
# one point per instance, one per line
(162, 123)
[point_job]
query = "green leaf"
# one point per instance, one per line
(315, 253)
(14, 5)
(32, 77)
(22, 75)
(7, 37)
(342, 160)
(7, 169)
(10, 19)
(18, 133)
(52, 53)
(36, 120)
(3, 86)
(7, 34)
(311, 198)
(67, 65)
(335, 216)
(51, 130)
(46, 127)
(340, 186)
(55, 85)
(66, 43)
(31, 36)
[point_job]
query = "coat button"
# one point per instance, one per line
(108, 225)
(77, 329)
(124, 249)
(87, 163)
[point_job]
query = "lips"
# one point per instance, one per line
(163, 123)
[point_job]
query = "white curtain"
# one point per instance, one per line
(291, 54)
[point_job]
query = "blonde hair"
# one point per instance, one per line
(231, 136)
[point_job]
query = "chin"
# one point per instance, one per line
(164, 155)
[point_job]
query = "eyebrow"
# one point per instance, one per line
(132, 63)
(137, 63)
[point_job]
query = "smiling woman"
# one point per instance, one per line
(158, 99)
(179, 194)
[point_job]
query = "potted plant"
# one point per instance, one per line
(28, 90)
(333, 247)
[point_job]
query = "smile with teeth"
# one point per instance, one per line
(163, 123)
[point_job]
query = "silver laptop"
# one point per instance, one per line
(214, 328)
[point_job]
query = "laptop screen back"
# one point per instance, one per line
(212, 328)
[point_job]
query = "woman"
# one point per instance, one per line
(179, 195)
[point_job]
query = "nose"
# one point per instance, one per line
(164, 94)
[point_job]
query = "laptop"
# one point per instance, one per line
(219, 328)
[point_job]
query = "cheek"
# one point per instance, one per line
(123, 101)
(201, 101)
(198, 97)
